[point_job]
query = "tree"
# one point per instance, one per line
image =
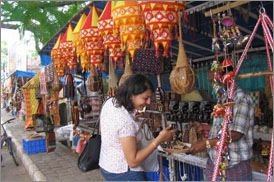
(42, 18)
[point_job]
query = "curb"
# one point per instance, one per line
(33, 170)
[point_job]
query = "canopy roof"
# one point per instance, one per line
(197, 33)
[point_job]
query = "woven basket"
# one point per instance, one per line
(182, 78)
(93, 81)
(178, 149)
(128, 72)
(113, 80)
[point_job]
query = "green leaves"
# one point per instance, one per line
(43, 18)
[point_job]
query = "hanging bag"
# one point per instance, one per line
(89, 158)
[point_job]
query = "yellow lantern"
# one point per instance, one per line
(56, 56)
(92, 41)
(129, 21)
(68, 55)
(111, 41)
(76, 41)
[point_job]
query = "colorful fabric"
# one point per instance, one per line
(239, 172)
(243, 122)
(29, 121)
(116, 123)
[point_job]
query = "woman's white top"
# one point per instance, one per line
(116, 123)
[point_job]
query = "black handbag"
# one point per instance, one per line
(89, 158)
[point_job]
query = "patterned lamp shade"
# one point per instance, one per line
(111, 41)
(56, 56)
(161, 17)
(76, 41)
(92, 41)
(129, 23)
(68, 55)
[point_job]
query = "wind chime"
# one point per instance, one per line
(56, 57)
(266, 24)
(161, 18)
(92, 41)
(76, 41)
(68, 55)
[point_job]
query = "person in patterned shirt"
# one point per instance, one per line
(241, 138)
(120, 156)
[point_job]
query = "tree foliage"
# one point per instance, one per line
(42, 18)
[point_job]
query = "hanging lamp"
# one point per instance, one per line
(129, 23)
(111, 41)
(92, 41)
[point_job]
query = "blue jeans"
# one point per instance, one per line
(127, 176)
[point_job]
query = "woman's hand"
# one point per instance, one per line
(165, 135)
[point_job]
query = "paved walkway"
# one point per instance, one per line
(60, 165)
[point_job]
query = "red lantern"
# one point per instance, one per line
(111, 41)
(161, 17)
(92, 41)
(68, 55)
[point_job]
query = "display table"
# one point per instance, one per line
(193, 167)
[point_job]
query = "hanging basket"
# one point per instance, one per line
(182, 78)
(56, 84)
(93, 81)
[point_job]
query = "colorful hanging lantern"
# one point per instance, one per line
(111, 41)
(226, 63)
(68, 55)
(92, 41)
(56, 56)
(76, 41)
(129, 21)
(161, 17)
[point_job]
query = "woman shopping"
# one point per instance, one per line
(120, 157)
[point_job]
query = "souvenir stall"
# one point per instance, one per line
(13, 92)
(157, 39)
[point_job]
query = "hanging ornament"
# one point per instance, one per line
(129, 22)
(56, 56)
(68, 55)
(76, 41)
(161, 17)
(92, 41)
(111, 41)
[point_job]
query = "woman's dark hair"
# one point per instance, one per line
(134, 85)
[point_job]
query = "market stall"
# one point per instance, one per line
(141, 37)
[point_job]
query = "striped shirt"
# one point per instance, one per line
(243, 122)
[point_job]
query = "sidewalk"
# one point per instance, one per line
(60, 165)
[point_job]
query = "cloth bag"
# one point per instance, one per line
(89, 158)
(150, 164)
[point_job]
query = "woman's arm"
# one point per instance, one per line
(135, 157)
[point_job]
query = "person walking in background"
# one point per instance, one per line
(120, 157)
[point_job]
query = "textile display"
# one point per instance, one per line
(95, 103)
(31, 103)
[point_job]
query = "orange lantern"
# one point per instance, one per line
(92, 41)
(129, 21)
(68, 56)
(76, 41)
(111, 41)
(56, 56)
(161, 17)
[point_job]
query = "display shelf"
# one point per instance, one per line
(263, 136)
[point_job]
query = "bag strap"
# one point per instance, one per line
(98, 120)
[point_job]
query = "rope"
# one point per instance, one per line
(232, 88)
(270, 164)
(268, 35)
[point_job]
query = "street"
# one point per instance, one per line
(11, 172)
